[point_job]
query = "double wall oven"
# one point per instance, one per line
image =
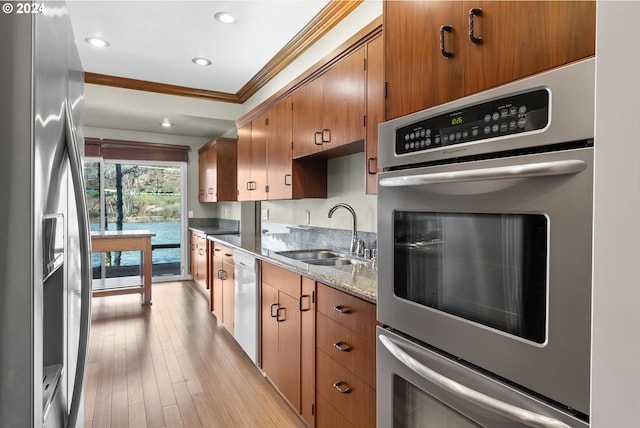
(485, 237)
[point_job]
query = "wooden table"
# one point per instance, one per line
(126, 240)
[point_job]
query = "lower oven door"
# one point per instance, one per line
(490, 261)
(417, 387)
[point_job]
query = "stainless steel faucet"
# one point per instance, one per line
(357, 246)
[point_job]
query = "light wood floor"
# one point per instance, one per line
(171, 365)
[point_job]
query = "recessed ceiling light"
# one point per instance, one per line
(225, 18)
(201, 61)
(97, 42)
(166, 124)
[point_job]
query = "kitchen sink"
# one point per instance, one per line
(310, 254)
(339, 261)
(322, 257)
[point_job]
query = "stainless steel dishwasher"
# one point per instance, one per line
(245, 312)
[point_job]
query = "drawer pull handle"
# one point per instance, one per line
(278, 319)
(222, 274)
(342, 346)
(272, 314)
(342, 309)
(342, 387)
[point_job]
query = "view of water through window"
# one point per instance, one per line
(135, 197)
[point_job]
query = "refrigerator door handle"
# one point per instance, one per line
(85, 248)
(494, 405)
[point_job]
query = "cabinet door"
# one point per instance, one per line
(201, 268)
(202, 176)
(258, 182)
(279, 151)
(522, 38)
(269, 332)
(375, 110)
(228, 289)
(307, 119)
(288, 321)
(244, 162)
(193, 254)
(307, 351)
(216, 288)
(343, 94)
(210, 173)
(416, 73)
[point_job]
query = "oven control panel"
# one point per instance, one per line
(504, 116)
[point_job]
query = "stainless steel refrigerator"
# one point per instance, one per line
(44, 238)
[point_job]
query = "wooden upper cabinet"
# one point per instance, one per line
(518, 39)
(252, 160)
(548, 34)
(217, 170)
(417, 75)
(375, 110)
(279, 151)
(244, 162)
(343, 97)
(328, 112)
(307, 119)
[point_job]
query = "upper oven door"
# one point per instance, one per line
(491, 261)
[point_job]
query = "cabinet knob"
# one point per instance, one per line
(342, 387)
(443, 51)
(472, 14)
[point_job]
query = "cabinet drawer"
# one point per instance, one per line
(286, 281)
(357, 401)
(358, 352)
(327, 416)
(348, 310)
(220, 250)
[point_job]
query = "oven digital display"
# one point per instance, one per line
(505, 116)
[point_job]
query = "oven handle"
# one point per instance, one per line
(541, 169)
(500, 407)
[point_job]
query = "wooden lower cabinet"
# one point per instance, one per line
(281, 331)
(318, 349)
(345, 360)
(198, 258)
(222, 286)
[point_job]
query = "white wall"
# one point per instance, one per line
(616, 293)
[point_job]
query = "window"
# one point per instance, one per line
(125, 195)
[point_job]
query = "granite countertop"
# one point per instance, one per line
(122, 234)
(359, 280)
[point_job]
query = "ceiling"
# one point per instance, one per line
(155, 42)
